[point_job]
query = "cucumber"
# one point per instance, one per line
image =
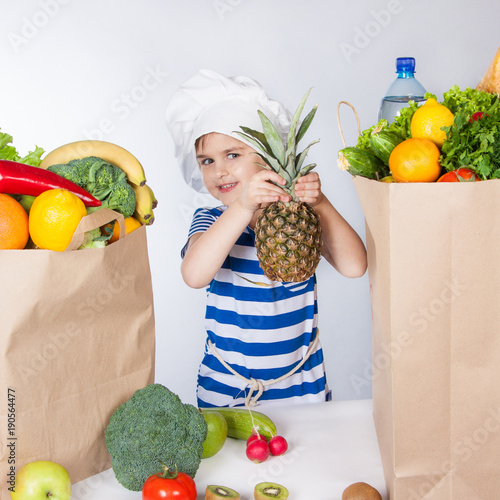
(241, 422)
(383, 142)
(362, 162)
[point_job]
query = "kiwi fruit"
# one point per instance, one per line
(361, 491)
(265, 491)
(214, 492)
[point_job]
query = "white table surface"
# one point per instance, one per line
(331, 445)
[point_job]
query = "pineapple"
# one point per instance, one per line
(287, 234)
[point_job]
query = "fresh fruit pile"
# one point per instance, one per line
(253, 427)
(258, 432)
(43, 201)
(455, 140)
(155, 407)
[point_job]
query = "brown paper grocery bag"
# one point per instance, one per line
(433, 261)
(77, 339)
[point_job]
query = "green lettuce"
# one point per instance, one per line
(9, 152)
(470, 142)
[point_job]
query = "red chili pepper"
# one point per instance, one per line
(18, 178)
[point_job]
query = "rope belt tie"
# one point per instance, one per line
(257, 386)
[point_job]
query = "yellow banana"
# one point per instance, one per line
(153, 197)
(112, 153)
(144, 204)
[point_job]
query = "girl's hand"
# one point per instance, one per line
(308, 189)
(260, 190)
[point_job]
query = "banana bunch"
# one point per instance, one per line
(146, 201)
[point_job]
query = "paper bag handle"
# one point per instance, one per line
(338, 120)
(92, 221)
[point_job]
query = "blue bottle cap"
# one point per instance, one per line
(406, 64)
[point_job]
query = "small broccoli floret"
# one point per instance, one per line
(121, 198)
(102, 177)
(72, 173)
(152, 426)
(94, 239)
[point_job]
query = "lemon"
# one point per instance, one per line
(53, 218)
(428, 120)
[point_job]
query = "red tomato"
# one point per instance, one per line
(476, 116)
(461, 174)
(169, 485)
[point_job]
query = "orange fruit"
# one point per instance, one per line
(53, 218)
(14, 232)
(415, 160)
(131, 223)
(427, 121)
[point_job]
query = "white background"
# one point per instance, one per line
(105, 69)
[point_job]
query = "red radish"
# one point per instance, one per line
(278, 445)
(255, 436)
(258, 450)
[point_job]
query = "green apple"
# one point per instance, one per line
(41, 480)
(216, 435)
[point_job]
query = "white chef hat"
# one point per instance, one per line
(210, 102)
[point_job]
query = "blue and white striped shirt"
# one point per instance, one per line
(261, 328)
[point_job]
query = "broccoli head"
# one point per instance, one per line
(154, 426)
(101, 179)
(121, 198)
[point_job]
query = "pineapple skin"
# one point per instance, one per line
(288, 241)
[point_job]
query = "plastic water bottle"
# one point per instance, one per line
(403, 89)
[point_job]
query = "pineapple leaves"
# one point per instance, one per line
(302, 156)
(253, 141)
(294, 137)
(277, 155)
(255, 134)
(306, 169)
(273, 138)
(273, 164)
(291, 141)
(306, 123)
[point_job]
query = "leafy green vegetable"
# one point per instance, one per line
(94, 239)
(400, 125)
(468, 101)
(469, 142)
(9, 152)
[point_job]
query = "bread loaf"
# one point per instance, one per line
(491, 79)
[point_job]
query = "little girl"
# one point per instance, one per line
(262, 337)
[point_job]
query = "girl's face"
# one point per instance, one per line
(226, 165)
